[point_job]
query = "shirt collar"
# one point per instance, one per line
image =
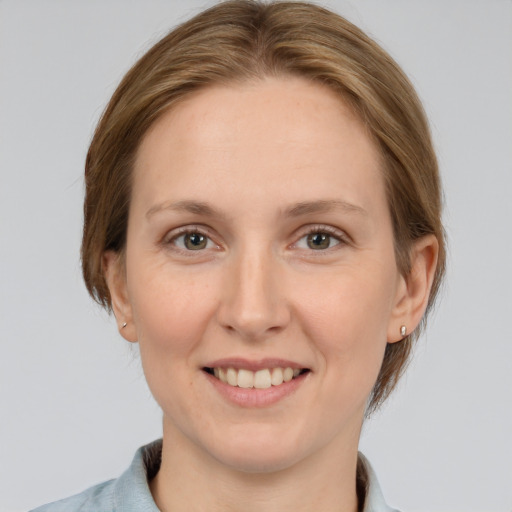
(374, 501)
(132, 491)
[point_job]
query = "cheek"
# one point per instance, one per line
(347, 317)
(171, 309)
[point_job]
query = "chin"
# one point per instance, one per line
(260, 461)
(253, 453)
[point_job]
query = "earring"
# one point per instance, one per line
(124, 325)
(403, 330)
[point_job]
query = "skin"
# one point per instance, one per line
(253, 153)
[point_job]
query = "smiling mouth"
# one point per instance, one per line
(261, 379)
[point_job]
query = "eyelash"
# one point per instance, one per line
(330, 231)
(340, 237)
(171, 239)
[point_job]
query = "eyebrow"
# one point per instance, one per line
(195, 207)
(323, 206)
(297, 210)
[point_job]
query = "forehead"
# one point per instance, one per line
(284, 138)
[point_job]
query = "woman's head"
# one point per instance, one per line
(244, 42)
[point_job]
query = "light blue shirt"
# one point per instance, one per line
(130, 492)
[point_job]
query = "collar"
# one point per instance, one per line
(374, 500)
(132, 491)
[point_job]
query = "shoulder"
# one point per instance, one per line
(374, 499)
(128, 493)
(99, 498)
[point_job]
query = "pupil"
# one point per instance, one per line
(318, 241)
(195, 241)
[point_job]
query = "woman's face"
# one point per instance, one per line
(259, 239)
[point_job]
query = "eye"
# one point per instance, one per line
(192, 241)
(319, 239)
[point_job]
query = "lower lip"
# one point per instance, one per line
(256, 397)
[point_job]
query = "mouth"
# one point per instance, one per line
(260, 379)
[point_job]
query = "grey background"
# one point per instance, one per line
(73, 402)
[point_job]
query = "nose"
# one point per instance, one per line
(253, 303)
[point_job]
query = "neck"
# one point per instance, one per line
(324, 481)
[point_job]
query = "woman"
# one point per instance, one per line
(262, 216)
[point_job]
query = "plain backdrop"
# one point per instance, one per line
(74, 405)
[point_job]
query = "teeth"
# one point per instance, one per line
(277, 376)
(232, 376)
(288, 374)
(262, 379)
(245, 379)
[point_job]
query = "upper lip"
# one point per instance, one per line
(239, 363)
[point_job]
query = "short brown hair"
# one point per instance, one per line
(241, 40)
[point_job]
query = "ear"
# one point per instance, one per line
(413, 290)
(115, 276)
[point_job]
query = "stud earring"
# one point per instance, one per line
(124, 325)
(403, 330)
